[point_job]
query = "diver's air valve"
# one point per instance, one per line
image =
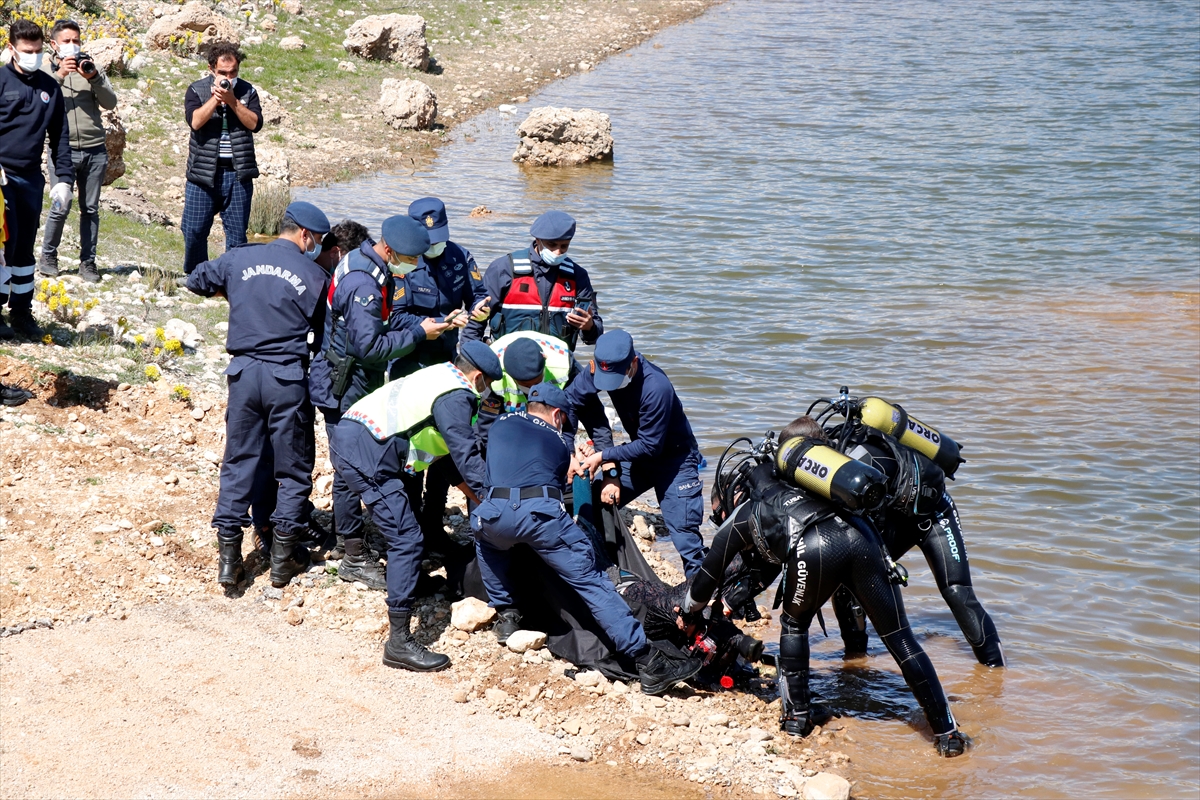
(911, 432)
(829, 474)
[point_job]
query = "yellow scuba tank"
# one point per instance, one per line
(911, 432)
(827, 473)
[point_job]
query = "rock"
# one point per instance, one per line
(826, 786)
(581, 754)
(480, 211)
(295, 615)
(273, 163)
(114, 143)
(273, 114)
(105, 528)
(269, 22)
(271, 593)
(407, 104)
(108, 55)
(496, 696)
(187, 437)
(717, 720)
(643, 738)
(194, 18)
(572, 726)
(758, 735)
(521, 641)
(211, 457)
(324, 483)
(292, 43)
(680, 720)
(556, 137)
(471, 614)
(641, 528)
(151, 526)
(136, 63)
(785, 789)
(163, 579)
(157, 541)
(347, 66)
(506, 108)
(184, 332)
(590, 678)
(460, 695)
(170, 478)
(390, 37)
(293, 7)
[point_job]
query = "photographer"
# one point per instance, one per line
(224, 113)
(31, 111)
(85, 91)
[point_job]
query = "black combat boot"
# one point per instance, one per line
(358, 566)
(402, 651)
(230, 570)
(287, 560)
(25, 326)
(659, 671)
(508, 622)
(6, 332)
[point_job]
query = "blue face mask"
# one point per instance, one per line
(551, 259)
(316, 251)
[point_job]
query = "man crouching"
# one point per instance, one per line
(527, 464)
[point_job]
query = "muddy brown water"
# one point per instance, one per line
(988, 212)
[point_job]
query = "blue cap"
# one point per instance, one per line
(431, 212)
(612, 357)
(482, 357)
(552, 226)
(523, 360)
(551, 395)
(405, 235)
(308, 216)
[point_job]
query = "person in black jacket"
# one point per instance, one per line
(31, 109)
(224, 113)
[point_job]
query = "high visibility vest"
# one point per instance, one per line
(558, 366)
(524, 309)
(405, 408)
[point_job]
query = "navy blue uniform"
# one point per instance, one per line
(372, 469)
(662, 454)
(276, 300)
(434, 288)
(498, 280)
(526, 452)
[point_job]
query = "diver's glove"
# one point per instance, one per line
(951, 744)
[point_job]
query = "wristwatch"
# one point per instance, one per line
(612, 472)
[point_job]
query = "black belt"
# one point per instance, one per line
(525, 492)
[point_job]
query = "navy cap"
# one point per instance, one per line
(483, 358)
(431, 212)
(523, 360)
(405, 235)
(613, 355)
(308, 216)
(552, 226)
(550, 395)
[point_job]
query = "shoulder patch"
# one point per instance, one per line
(364, 301)
(399, 295)
(475, 274)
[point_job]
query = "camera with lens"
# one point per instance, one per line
(225, 83)
(86, 65)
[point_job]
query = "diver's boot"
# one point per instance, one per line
(230, 569)
(508, 622)
(356, 566)
(659, 671)
(287, 560)
(951, 744)
(402, 651)
(798, 715)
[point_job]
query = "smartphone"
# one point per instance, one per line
(453, 315)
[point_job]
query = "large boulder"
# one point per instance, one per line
(272, 109)
(194, 27)
(109, 55)
(557, 137)
(390, 37)
(114, 143)
(407, 104)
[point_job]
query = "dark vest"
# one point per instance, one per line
(205, 146)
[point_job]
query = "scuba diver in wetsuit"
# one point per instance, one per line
(918, 512)
(806, 536)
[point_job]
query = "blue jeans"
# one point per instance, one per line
(680, 492)
(228, 197)
(90, 167)
(23, 213)
(501, 522)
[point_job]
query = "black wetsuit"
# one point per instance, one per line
(919, 513)
(822, 553)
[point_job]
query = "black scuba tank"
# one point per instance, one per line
(829, 474)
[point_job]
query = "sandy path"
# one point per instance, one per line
(218, 700)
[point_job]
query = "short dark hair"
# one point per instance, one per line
(541, 408)
(288, 225)
(219, 50)
(24, 30)
(464, 364)
(64, 25)
(802, 428)
(347, 234)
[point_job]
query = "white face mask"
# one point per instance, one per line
(68, 50)
(628, 379)
(551, 259)
(28, 62)
(435, 250)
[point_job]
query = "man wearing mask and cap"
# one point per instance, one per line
(360, 337)
(662, 453)
(401, 428)
(276, 295)
(541, 289)
(527, 464)
(31, 112)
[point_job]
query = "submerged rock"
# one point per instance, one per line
(557, 137)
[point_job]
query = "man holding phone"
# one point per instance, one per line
(86, 91)
(541, 289)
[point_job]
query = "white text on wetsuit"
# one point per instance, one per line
(267, 269)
